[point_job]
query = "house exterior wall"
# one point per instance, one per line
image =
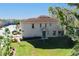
(28, 31)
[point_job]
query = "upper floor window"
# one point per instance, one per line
(45, 25)
(50, 24)
(40, 25)
(33, 26)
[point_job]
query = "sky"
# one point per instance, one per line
(26, 10)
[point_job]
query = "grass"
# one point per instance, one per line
(27, 49)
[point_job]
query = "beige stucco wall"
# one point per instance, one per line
(28, 31)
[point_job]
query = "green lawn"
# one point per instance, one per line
(27, 49)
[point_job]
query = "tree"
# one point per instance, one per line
(66, 19)
(16, 21)
(76, 47)
(74, 4)
(75, 10)
(5, 43)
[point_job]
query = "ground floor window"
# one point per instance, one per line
(60, 33)
(33, 26)
(54, 33)
(44, 34)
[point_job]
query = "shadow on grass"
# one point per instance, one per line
(52, 43)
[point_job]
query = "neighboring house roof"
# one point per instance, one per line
(40, 19)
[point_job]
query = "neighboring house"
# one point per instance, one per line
(42, 26)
